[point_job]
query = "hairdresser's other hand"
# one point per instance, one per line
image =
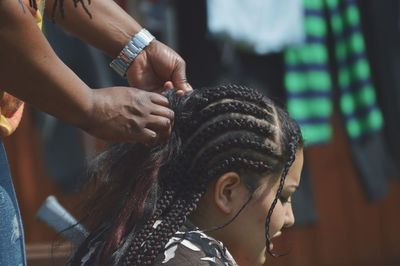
(129, 114)
(154, 66)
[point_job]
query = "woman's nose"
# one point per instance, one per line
(289, 217)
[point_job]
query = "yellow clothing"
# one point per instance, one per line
(40, 5)
(11, 108)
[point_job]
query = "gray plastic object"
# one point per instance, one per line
(57, 217)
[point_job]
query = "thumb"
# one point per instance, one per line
(179, 77)
(147, 137)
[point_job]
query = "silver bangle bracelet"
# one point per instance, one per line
(135, 45)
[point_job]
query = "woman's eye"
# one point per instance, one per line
(284, 200)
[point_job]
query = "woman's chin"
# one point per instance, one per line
(263, 257)
(271, 246)
(253, 261)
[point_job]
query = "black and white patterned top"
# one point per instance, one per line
(190, 246)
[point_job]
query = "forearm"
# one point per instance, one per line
(109, 28)
(30, 70)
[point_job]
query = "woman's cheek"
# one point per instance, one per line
(277, 220)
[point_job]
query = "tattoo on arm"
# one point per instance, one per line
(60, 5)
(22, 5)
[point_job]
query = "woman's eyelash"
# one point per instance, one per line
(284, 200)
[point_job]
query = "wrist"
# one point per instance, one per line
(84, 116)
(132, 49)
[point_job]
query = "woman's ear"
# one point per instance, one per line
(229, 192)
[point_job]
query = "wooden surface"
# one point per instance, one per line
(350, 231)
(47, 254)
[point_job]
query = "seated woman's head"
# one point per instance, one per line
(229, 168)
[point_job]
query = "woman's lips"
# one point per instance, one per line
(277, 234)
(271, 246)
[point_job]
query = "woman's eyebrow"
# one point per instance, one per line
(292, 186)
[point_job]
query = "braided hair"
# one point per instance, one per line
(154, 190)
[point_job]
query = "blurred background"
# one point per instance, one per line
(334, 64)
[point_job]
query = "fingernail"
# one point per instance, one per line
(168, 123)
(153, 134)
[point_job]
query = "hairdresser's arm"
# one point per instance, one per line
(30, 70)
(109, 28)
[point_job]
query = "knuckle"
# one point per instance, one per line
(181, 62)
(136, 126)
(155, 97)
(140, 101)
(165, 122)
(140, 97)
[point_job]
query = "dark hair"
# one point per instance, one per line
(146, 194)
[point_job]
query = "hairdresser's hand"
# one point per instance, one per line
(129, 114)
(154, 66)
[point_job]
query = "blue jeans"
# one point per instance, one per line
(12, 249)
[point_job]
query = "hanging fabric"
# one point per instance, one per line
(381, 25)
(308, 80)
(260, 26)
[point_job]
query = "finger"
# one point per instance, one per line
(179, 77)
(183, 86)
(159, 110)
(168, 85)
(171, 86)
(190, 88)
(159, 99)
(165, 88)
(146, 136)
(180, 93)
(160, 125)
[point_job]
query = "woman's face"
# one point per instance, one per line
(245, 236)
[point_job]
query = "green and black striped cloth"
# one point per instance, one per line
(308, 80)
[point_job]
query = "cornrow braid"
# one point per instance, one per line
(216, 130)
(174, 220)
(168, 230)
(175, 204)
(237, 92)
(226, 107)
(233, 139)
(180, 209)
(224, 126)
(221, 127)
(179, 212)
(237, 162)
(166, 202)
(292, 157)
(231, 91)
(237, 140)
